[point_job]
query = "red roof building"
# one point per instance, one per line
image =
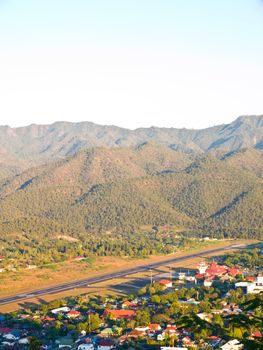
(127, 304)
(170, 330)
(105, 344)
(216, 270)
(5, 330)
(166, 283)
(154, 326)
(73, 314)
(232, 271)
(250, 278)
(49, 319)
(256, 334)
(119, 314)
(136, 333)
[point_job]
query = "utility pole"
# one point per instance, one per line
(151, 276)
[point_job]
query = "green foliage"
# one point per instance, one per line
(143, 317)
(35, 344)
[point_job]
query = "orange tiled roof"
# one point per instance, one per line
(165, 282)
(119, 313)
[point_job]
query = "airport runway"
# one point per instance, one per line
(105, 277)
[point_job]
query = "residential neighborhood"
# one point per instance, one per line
(177, 313)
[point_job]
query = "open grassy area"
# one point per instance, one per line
(25, 280)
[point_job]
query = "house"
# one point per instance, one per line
(187, 340)
(256, 334)
(73, 314)
(105, 345)
(86, 347)
(154, 327)
(119, 314)
(232, 345)
(142, 329)
(170, 329)
(13, 335)
(60, 310)
(48, 319)
(204, 316)
(166, 283)
(216, 270)
(136, 333)
(208, 282)
(128, 304)
(251, 287)
(5, 330)
(23, 341)
(65, 343)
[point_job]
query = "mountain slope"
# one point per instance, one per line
(124, 188)
(249, 159)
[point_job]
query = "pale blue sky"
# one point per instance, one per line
(132, 63)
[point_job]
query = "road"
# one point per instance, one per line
(106, 277)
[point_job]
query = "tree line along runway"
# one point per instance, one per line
(105, 277)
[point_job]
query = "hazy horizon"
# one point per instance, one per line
(118, 126)
(170, 63)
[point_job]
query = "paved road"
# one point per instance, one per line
(106, 277)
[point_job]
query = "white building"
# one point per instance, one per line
(202, 267)
(251, 287)
(232, 345)
(208, 283)
(23, 341)
(60, 310)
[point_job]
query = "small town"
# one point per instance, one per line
(178, 310)
(131, 175)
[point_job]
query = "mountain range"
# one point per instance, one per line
(82, 177)
(20, 147)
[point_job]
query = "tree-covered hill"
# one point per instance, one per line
(121, 189)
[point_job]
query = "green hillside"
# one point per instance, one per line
(122, 189)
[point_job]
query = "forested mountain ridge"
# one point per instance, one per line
(36, 144)
(122, 189)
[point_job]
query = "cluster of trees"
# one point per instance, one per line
(249, 258)
(34, 249)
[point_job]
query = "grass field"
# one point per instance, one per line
(19, 282)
